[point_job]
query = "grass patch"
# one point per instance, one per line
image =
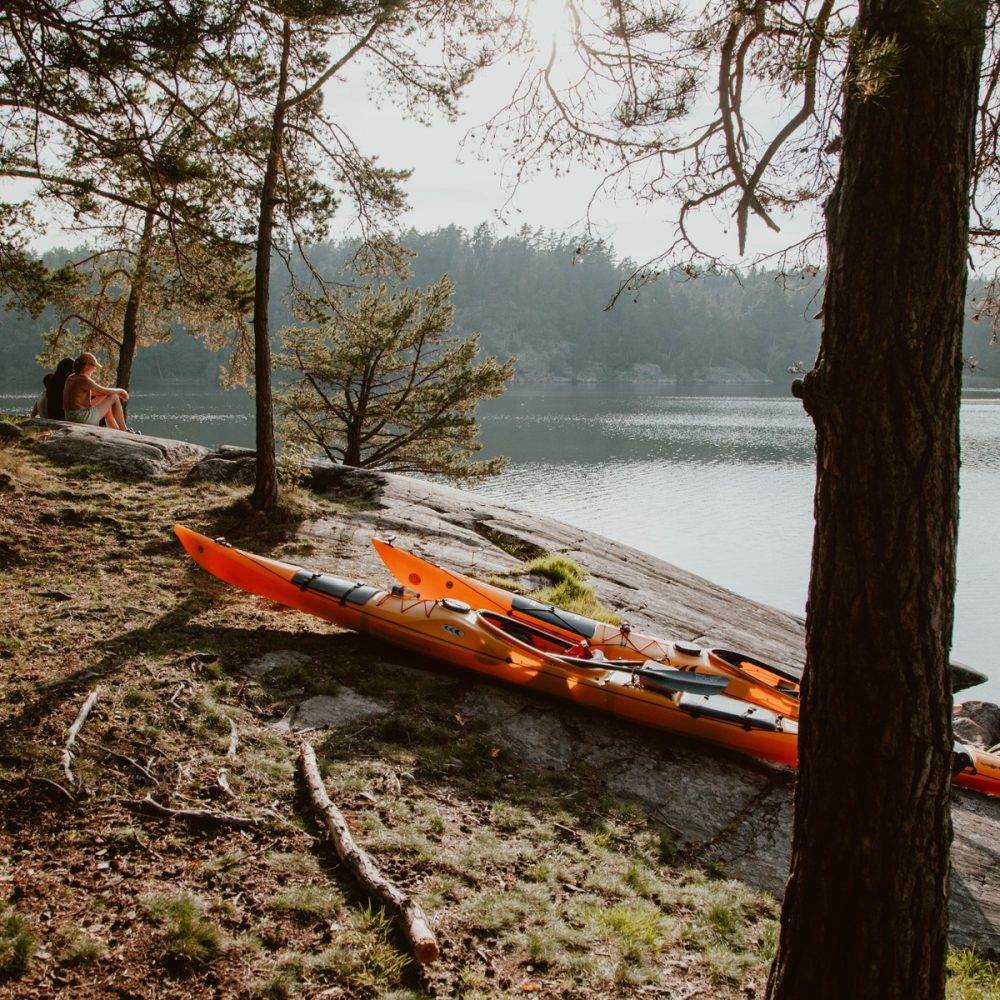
(17, 945)
(282, 984)
(364, 958)
(568, 591)
(76, 947)
(972, 976)
(187, 935)
(308, 902)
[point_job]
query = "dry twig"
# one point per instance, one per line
(152, 807)
(223, 781)
(175, 695)
(123, 757)
(415, 924)
(74, 731)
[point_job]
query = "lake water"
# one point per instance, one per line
(717, 481)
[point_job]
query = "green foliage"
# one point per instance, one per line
(17, 945)
(124, 299)
(380, 385)
(874, 63)
(93, 105)
(26, 282)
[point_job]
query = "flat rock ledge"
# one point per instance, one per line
(127, 454)
(714, 805)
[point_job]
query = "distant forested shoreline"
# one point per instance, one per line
(543, 298)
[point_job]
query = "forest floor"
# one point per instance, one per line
(537, 883)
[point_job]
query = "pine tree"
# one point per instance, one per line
(382, 385)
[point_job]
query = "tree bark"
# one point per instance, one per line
(130, 323)
(265, 492)
(865, 911)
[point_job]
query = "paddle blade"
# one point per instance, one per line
(684, 680)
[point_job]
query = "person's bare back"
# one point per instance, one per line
(76, 394)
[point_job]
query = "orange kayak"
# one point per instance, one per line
(976, 769)
(750, 679)
(681, 701)
(451, 631)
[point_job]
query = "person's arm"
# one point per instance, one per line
(104, 390)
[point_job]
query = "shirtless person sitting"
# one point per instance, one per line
(86, 402)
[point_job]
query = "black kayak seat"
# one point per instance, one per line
(333, 586)
(961, 758)
(584, 627)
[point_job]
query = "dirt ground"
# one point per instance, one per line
(536, 882)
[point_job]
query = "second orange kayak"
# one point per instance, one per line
(751, 680)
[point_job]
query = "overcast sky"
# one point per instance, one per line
(455, 185)
(451, 184)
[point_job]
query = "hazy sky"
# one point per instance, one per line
(466, 186)
(451, 184)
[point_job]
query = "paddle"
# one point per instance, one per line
(682, 680)
(668, 680)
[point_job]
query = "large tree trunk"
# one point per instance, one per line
(265, 493)
(865, 912)
(130, 324)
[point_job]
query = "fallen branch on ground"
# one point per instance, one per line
(123, 757)
(154, 808)
(224, 783)
(74, 731)
(415, 925)
(181, 687)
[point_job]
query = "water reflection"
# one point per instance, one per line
(723, 487)
(625, 428)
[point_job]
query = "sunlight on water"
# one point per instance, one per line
(184, 413)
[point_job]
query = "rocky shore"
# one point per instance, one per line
(736, 812)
